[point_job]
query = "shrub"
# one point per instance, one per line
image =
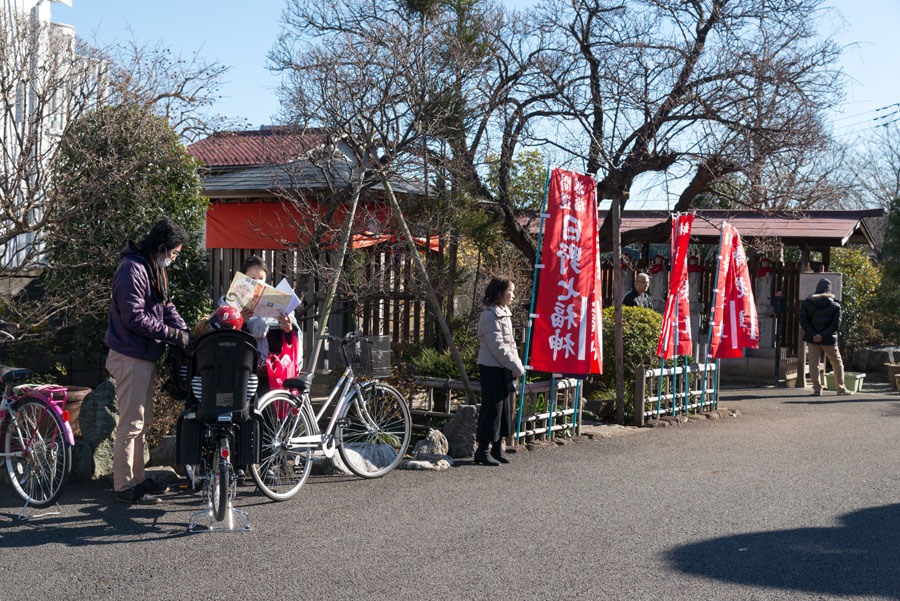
(859, 299)
(641, 328)
(888, 297)
(128, 166)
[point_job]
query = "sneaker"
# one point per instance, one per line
(845, 391)
(137, 496)
(153, 487)
(817, 393)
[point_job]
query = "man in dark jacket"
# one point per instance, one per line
(820, 316)
(141, 319)
(638, 296)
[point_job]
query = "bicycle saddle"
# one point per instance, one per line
(14, 374)
(301, 383)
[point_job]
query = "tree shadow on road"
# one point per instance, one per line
(859, 557)
(88, 516)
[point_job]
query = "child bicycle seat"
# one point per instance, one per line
(224, 381)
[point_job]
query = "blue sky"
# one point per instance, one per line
(240, 33)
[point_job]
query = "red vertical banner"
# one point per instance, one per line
(722, 274)
(740, 323)
(563, 337)
(678, 293)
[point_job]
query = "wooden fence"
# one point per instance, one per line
(399, 310)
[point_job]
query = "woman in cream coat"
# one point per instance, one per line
(499, 364)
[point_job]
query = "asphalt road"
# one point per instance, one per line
(795, 499)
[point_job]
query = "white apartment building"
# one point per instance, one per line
(27, 137)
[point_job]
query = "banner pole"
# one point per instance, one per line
(552, 406)
(531, 315)
(712, 319)
(575, 415)
(677, 292)
(716, 401)
(662, 375)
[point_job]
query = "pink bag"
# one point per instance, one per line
(282, 366)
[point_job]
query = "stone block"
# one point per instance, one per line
(460, 432)
(434, 444)
(437, 463)
(537, 445)
(874, 359)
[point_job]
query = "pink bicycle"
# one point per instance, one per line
(35, 436)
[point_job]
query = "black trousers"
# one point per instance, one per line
(497, 397)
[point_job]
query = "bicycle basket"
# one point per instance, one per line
(370, 357)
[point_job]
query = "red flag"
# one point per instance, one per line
(678, 293)
(740, 328)
(568, 294)
(723, 273)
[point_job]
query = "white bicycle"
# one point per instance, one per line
(370, 426)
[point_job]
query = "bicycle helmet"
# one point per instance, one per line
(226, 318)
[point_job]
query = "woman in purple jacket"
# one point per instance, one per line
(141, 319)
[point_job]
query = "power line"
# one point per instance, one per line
(894, 113)
(855, 115)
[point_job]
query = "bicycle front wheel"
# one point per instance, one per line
(282, 467)
(374, 433)
(38, 457)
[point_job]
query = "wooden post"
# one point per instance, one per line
(639, 398)
(801, 346)
(617, 303)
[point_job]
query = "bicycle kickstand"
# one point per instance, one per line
(23, 517)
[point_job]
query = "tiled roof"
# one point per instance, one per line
(255, 147)
(827, 228)
(301, 174)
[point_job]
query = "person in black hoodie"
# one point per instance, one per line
(820, 317)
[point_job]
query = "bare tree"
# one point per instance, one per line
(712, 87)
(877, 167)
(49, 78)
(379, 80)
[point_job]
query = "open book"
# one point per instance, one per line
(262, 299)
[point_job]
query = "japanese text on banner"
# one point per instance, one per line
(565, 331)
(677, 303)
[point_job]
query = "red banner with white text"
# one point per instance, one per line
(722, 275)
(740, 324)
(676, 326)
(566, 330)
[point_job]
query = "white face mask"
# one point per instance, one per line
(163, 260)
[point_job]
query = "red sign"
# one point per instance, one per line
(566, 330)
(736, 326)
(722, 274)
(676, 328)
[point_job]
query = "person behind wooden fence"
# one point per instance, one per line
(499, 365)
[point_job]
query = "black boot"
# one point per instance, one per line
(497, 452)
(482, 455)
